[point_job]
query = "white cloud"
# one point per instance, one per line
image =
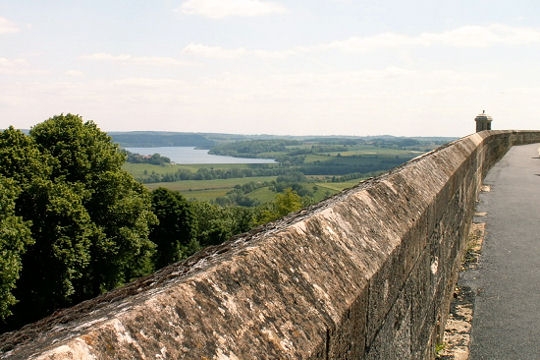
(215, 52)
(7, 63)
(16, 67)
(74, 73)
(107, 57)
(485, 36)
(135, 60)
(7, 27)
(218, 52)
(147, 82)
(463, 37)
(472, 36)
(217, 9)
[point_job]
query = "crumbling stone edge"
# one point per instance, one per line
(457, 332)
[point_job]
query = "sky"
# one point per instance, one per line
(282, 67)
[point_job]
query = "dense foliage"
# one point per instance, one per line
(158, 139)
(80, 221)
(155, 159)
(252, 148)
(14, 239)
(283, 204)
(174, 234)
(205, 173)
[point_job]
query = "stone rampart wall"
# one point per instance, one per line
(367, 274)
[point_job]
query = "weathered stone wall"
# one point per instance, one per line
(367, 274)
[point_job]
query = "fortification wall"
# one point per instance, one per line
(367, 274)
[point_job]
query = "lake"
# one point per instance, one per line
(191, 155)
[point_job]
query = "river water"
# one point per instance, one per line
(190, 155)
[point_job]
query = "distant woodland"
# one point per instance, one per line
(79, 215)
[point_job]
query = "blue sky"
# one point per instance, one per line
(318, 67)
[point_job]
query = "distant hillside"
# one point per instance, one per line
(160, 139)
(215, 141)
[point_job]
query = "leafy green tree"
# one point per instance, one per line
(15, 237)
(216, 224)
(20, 158)
(63, 231)
(121, 209)
(90, 220)
(118, 206)
(81, 151)
(286, 202)
(174, 234)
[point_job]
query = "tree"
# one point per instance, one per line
(121, 209)
(284, 203)
(62, 231)
(175, 232)
(118, 206)
(81, 151)
(89, 219)
(15, 237)
(20, 158)
(214, 223)
(287, 202)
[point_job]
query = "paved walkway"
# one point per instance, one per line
(506, 321)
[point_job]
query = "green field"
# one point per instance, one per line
(263, 195)
(143, 170)
(206, 190)
(209, 190)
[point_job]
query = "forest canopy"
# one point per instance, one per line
(73, 222)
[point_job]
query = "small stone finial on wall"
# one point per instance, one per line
(483, 121)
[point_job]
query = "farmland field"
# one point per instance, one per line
(217, 186)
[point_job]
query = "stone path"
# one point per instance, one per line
(506, 283)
